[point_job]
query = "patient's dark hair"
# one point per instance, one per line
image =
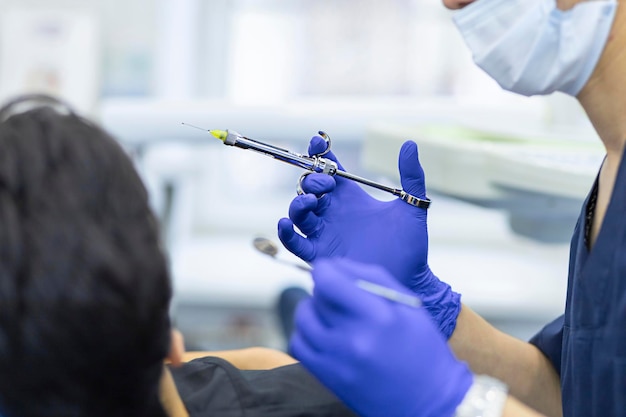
(84, 288)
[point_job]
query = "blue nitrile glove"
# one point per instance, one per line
(380, 357)
(347, 222)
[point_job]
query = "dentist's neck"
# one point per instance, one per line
(604, 95)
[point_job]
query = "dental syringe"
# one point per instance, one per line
(315, 163)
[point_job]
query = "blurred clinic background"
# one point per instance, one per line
(507, 174)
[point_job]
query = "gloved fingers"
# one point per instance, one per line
(310, 358)
(349, 270)
(411, 172)
(299, 348)
(343, 290)
(318, 184)
(317, 145)
(311, 329)
(315, 344)
(336, 295)
(328, 364)
(302, 213)
(296, 244)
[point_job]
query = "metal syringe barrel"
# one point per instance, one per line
(310, 163)
(314, 164)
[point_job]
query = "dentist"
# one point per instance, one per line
(383, 358)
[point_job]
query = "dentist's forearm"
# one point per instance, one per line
(528, 373)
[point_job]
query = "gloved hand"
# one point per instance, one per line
(380, 357)
(347, 222)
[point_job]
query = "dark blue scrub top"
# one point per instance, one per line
(587, 345)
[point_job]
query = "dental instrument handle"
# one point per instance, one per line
(344, 174)
(418, 202)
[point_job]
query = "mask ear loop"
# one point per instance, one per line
(30, 101)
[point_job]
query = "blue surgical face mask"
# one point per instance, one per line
(531, 47)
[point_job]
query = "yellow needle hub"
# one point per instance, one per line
(219, 134)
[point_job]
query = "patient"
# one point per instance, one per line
(85, 292)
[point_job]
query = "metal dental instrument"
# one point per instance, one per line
(315, 163)
(389, 293)
(270, 248)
